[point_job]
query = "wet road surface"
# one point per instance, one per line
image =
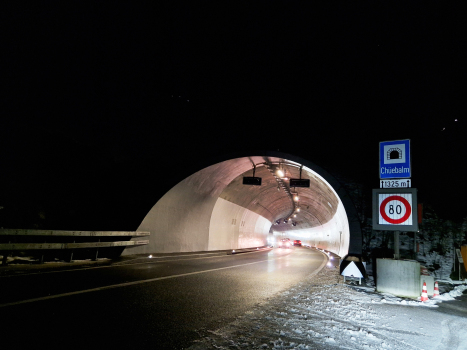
(165, 303)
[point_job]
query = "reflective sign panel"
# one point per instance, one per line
(394, 159)
(395, 209)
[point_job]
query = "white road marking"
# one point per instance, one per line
(131, 264)
(135, 283)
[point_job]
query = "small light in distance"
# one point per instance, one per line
(233, 251)
(280, 173)
(331, 258)
(296, 198)
(150, 256)
(329, 263)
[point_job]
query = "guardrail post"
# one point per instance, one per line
(41, 261)
(5, 259)
(97, 251)
(71, 254)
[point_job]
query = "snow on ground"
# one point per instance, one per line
(324, 313)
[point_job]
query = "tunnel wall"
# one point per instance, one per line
(179, 221)
(324, 236)
(234, 227)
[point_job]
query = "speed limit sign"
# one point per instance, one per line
(395, 209)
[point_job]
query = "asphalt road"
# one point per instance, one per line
(456, 307)
(164, 303)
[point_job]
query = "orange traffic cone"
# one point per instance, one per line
(436, 291)
(424, 293)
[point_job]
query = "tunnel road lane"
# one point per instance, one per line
(168, 302)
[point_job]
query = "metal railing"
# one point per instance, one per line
(49, 242)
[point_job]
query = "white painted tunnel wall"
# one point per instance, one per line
(234, 227)
(179, 222)
(332, 236)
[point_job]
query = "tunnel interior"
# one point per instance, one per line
(213, 209)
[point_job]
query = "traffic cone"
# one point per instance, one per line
(436, 291)
(424, 293)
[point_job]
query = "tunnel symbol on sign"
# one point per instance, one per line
(394, 153)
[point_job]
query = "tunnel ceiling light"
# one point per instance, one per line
(280, 172)
(297, 210)
(295, 215)
(296, 198)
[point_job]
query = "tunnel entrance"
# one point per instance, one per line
(394, 153)
(212, 209)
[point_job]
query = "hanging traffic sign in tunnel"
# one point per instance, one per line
(394, 209)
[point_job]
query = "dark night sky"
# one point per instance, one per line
(106, 107)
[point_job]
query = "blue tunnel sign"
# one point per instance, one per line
(394, 159)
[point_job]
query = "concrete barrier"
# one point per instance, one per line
(399, 277)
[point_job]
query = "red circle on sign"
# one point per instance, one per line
(404, 201)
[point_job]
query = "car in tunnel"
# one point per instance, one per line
(284, 243)
(297, 242)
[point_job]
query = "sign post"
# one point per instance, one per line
(461, 260)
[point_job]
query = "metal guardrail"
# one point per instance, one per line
(68, 241)
(39, 246)
(22, 232)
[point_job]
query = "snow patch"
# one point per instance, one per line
(324, 313)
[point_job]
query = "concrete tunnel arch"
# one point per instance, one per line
(212, 210)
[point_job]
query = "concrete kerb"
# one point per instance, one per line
(248, 250)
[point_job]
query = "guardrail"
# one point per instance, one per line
(41, 242)
(21, 232)
(39, 246)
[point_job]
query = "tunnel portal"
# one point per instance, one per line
(213, 210)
